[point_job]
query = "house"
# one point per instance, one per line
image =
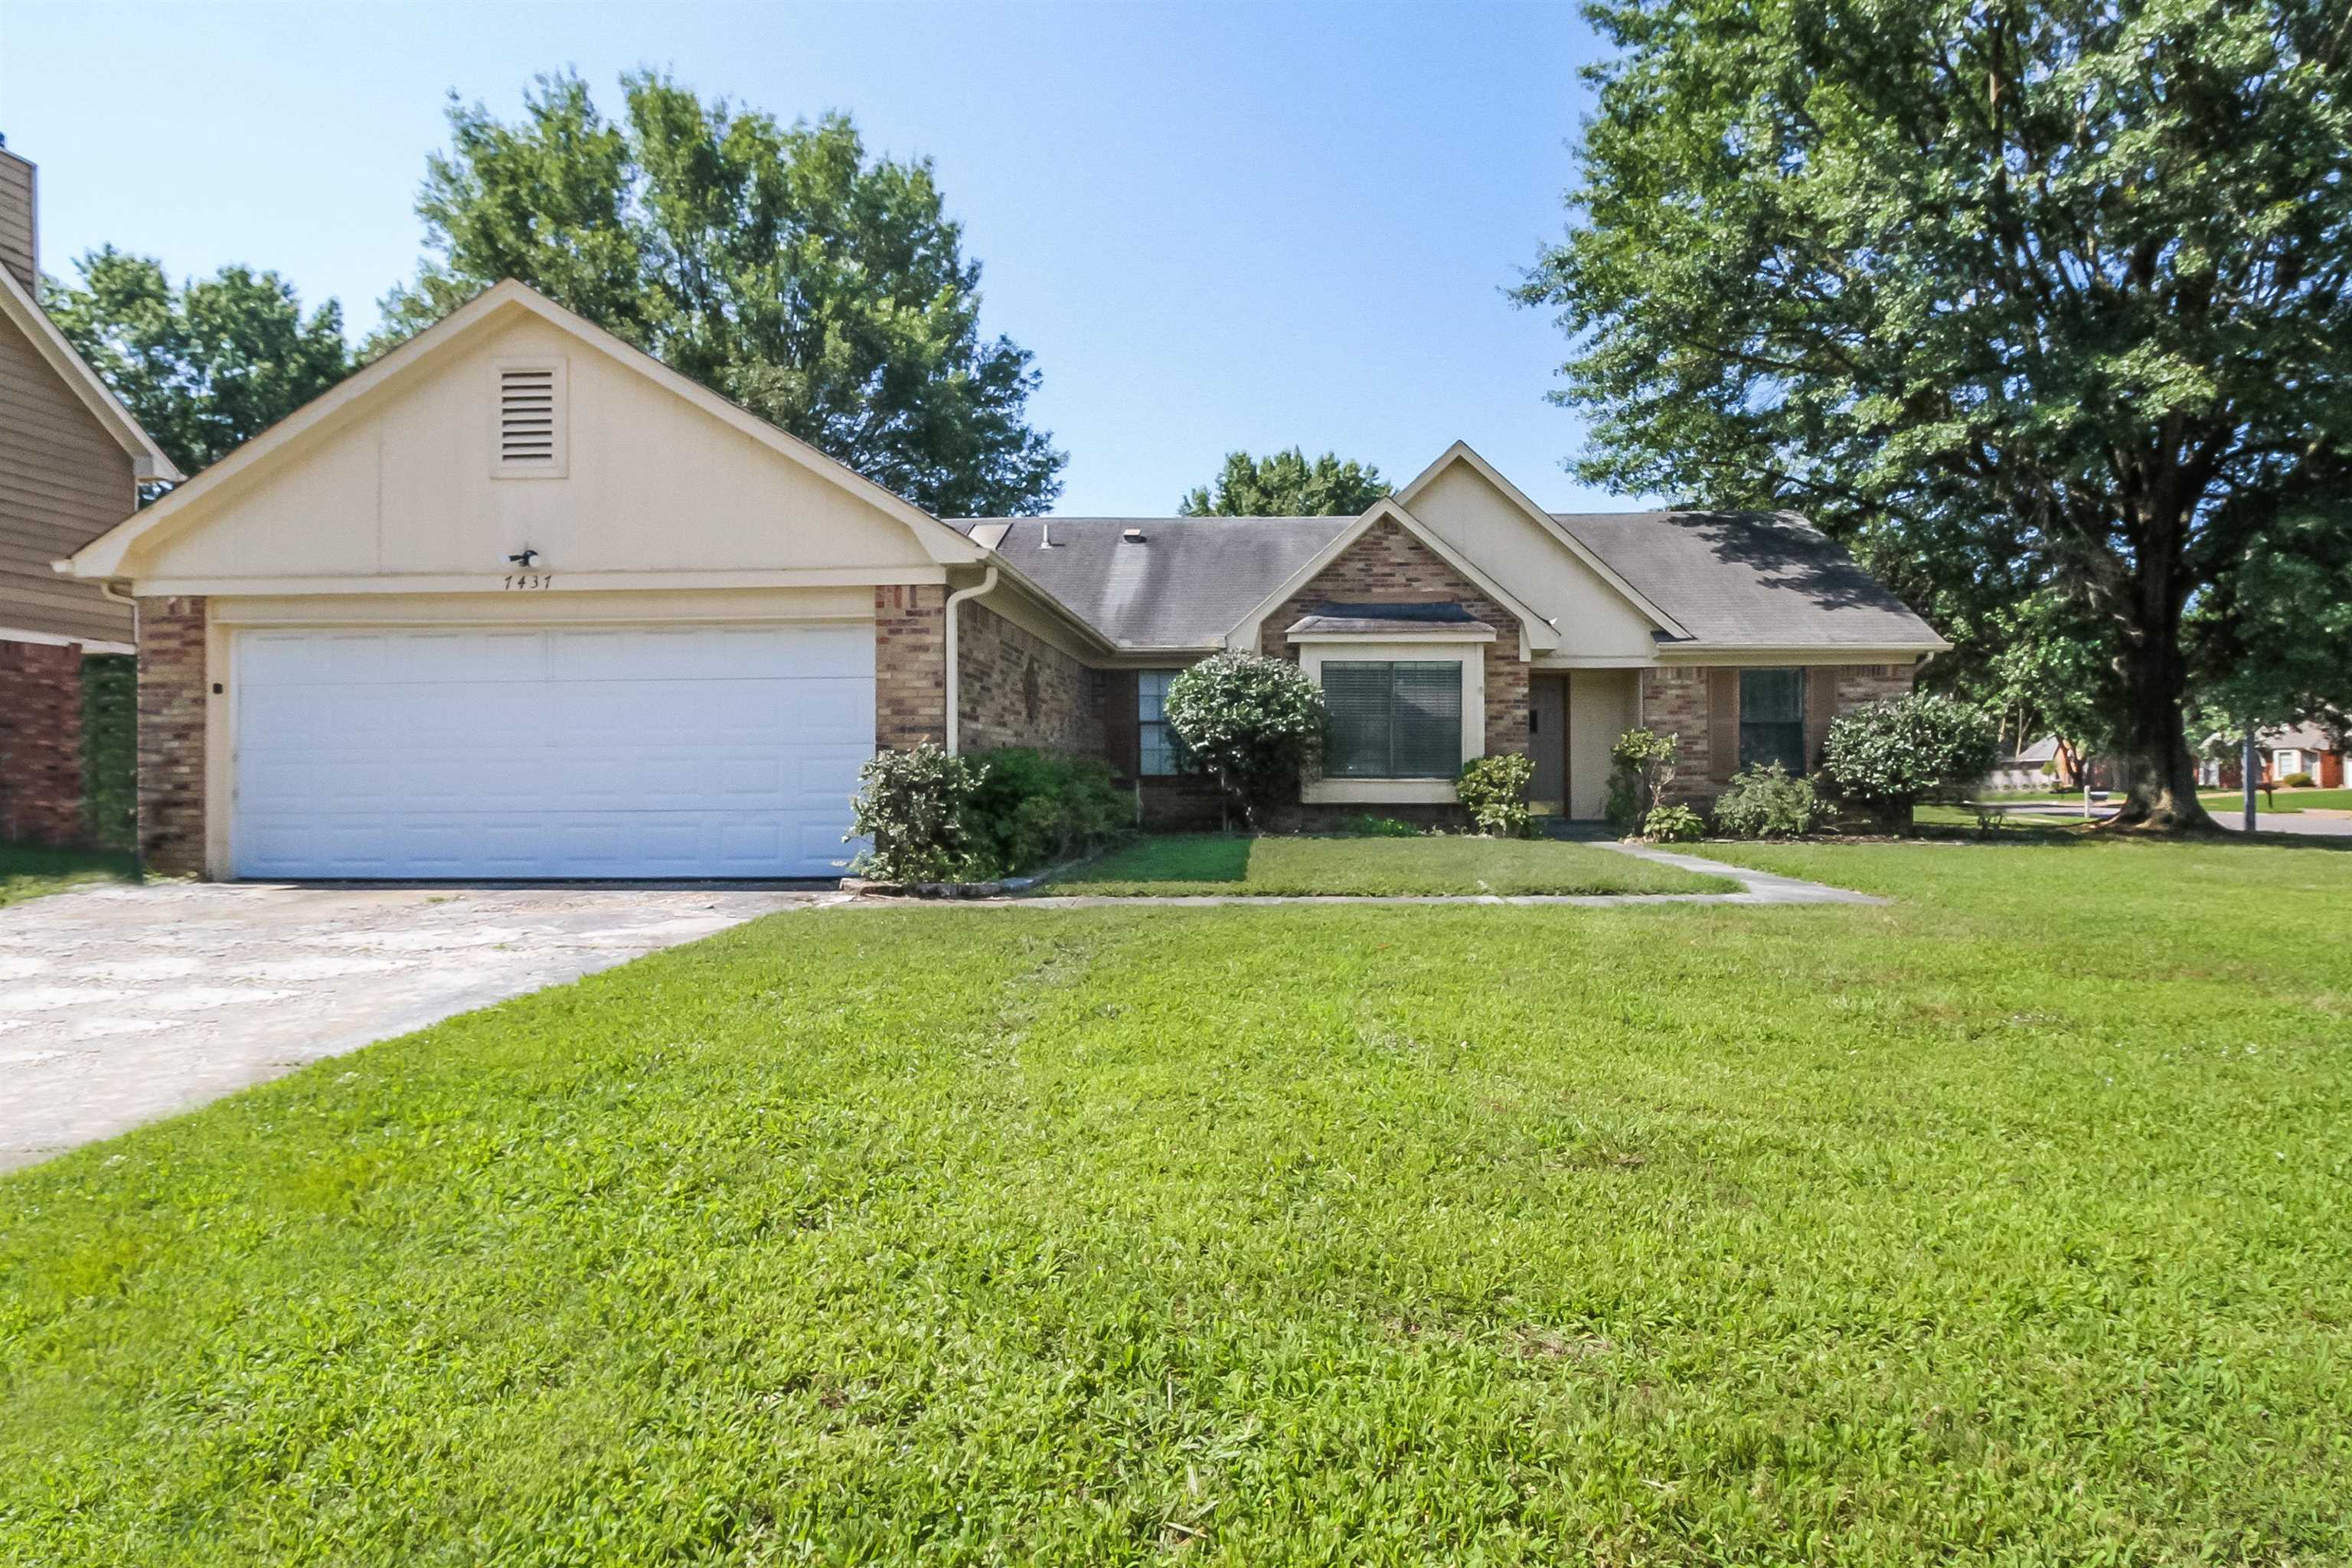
(2282, 752)
(517, 600)
(71, 461)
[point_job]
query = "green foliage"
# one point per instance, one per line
(110, 748)
(2275, 638)
(916, 806)
(1030, 809)
(1285, 484)
(2045, 295)
(1767, 802)
(2295, 780)
(1420, 864)
(37, 870)
(1672, 825)
(207, 365)
(1255, 722)
(1890, 755)
(1493, 791)
(1640, 768)
(1370, 827)
(823, 291)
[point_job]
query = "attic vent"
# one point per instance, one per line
(531, 419)
(1133, 536)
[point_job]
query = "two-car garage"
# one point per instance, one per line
(548, 751)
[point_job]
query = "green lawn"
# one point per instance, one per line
(2281, 800)
(2005, 1222)
(1187, 863)
(31, 870)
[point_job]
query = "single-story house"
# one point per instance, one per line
(2283, 754)
(71, 461)
(518, 600)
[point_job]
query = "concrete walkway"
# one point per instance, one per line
(121, 1005)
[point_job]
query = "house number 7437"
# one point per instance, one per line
(531, 579)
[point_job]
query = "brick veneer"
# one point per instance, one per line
(171, 699)
(1388, 565)
(40, 743)
(911, 666)
(1014, 689)
(1674, 702)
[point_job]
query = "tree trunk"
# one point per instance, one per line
(2158, 772)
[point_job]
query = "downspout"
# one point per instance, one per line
(955, 686)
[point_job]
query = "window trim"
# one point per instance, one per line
(1420, 648)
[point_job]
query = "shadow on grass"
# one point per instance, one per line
(1176, 860)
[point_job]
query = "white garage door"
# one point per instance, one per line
(688, 750)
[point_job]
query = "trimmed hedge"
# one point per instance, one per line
(110, 748)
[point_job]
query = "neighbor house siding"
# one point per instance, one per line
(1014, 689)
(173, 697)
(911, 666)
(64, 480)
(1386, 565)
(40, 742)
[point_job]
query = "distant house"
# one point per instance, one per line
(2283, 754)
(71, 461)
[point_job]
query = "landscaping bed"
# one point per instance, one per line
(1179, 865)
(33, 871)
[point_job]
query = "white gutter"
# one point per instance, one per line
(955, 690)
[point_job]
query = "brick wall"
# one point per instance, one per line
(1674, 702)
(1388, 565)
(1014, 689)
(911, 666)
(171, 698)
(40, 743)
(1859, 685)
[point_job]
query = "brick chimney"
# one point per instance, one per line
(18, 250)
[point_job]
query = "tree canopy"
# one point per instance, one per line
(779, 266)
(2024, 297)
(1285, 484)
(207, 365)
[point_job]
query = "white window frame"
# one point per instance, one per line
(560, 467)
(1141, 772)
(1347, 648)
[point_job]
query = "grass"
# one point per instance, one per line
(2006, 1222)
(34, 870)
(1188, 864)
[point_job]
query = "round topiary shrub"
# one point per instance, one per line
(1254, 722)
(1888, 757)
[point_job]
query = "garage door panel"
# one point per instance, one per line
(627, 751)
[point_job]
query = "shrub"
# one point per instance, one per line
(1371, 827)
(1672, 825)
(1031, 809)
(1891, 756)
(1766, 803)
(1642, 764)
(2295, 780)
(916, 807)
(1254, 721)
(1493, 791)
(110, 748)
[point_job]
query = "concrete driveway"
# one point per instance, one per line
(121, 1005)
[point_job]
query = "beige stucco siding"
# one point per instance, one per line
(63, 481)
(404, 488)
(1461, 506)
(1602, 706)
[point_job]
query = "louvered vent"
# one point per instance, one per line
(530, 419)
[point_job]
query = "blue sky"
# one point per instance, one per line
(1215, 225)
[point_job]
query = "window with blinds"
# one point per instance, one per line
(1393, 719)
(1772, 719)
(1159, 753)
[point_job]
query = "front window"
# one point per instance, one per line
(1772, 719)
(2289, 762)
(1395, 720)
(1157, 752)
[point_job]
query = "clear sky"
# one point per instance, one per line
(1240, 225)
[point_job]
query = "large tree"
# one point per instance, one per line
(1285, 484)
(204, 365)
(2022, 297)
(779, 266)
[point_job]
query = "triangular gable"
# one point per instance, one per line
(148, 462)
(316, 420)
(1536, 632)
(1461, 453)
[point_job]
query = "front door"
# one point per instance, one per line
(1547, 740)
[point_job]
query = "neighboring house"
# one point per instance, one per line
(518, 600)
(2039, 766)
(2304, 749)
(71, 460)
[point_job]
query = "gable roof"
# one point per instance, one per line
(1462, 453)
(1183, 586)
(1751, 579)
(103, 556)
(148, 462)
